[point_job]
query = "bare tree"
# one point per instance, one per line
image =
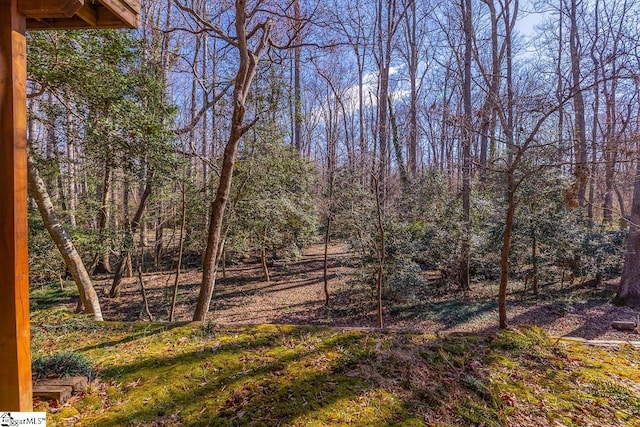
(467, 141)
(581, 170)
(629, 288)
(250, 43)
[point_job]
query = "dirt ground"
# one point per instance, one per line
(295, 296)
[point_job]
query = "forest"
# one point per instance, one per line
(395, 169)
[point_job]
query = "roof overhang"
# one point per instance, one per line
(76, 14)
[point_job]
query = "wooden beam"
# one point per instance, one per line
(15, 350)
(49, 8)
(74, 23)
(88, 14)
(98, 14)
(127, 12)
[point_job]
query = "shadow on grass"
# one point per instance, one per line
(257, 379)
(141, 331)
(448, 313)
(49, 297)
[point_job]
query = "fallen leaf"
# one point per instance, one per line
(508, 400)
(133, 384)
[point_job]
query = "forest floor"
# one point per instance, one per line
(295, 295)
(249, 366)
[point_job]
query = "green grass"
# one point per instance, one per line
(52, 296)
(199, 374)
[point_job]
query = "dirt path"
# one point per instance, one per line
(295, 295)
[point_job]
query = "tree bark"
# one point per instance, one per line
(381, 258)
(143, 291)
(504, 252)
(263, 257)
(581, 170)
(488, 120)
(101, 263)
(514, 155)
(244, 77)
(467, 140)
(534, 262)
(413, 62)
(131, 231)
(629, 288)
(63, 242)
(180, 250)
(71, 161)
(325, 271)
(297, 90)
(384, 64)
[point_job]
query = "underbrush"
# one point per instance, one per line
(204, 374)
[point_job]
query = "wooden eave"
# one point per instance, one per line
(78, 14)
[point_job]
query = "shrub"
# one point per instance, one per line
(403, 280)
(602, 254)
(62, 365)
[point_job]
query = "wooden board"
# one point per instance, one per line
(74, 14)
(49, 8)
(61, 393)
(15, 351)
(76, 383)
(624, 325)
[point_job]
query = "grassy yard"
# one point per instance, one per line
(203, 374)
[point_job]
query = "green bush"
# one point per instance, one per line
(520, 339)
(403, 280)
(602, 254)
(62, 365)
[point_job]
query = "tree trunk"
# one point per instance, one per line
(71, 171)
(623, 211)
(504, 253)
(384, 49)
(534, 262)
(246, 73)
(263, 257)
(397, 148)
(63, 242)
(101, 263)
(180, 249)
(143, 291)
(131, 231)
(381, 258)
(361, 106)
(327, 234)
(629, 288)
(205, 100)
(159, 234)
(297, 91)
(581, 170)
(595, 120)
(488, 113)
(467, 140)
(513, 158)
(325, 272)
(412, 69)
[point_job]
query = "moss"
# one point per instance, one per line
(520, 339)
(204, 374)
(67, 412)
(481, 389)
(475, 414)
(89, 402)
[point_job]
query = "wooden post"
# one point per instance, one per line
(15, 349)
